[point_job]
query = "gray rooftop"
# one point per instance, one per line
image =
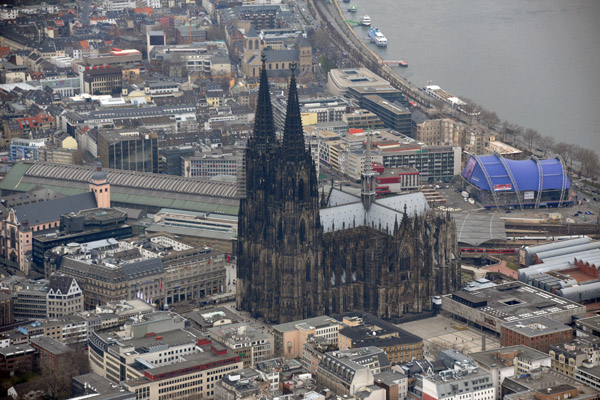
(343, 213)
(516, 301)
(51, 210)
(51, 345)
(316, 321)
(128, 187)
(477, 228)
(489, 358)
(537, 326)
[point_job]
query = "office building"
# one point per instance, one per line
(514, 302)
(172, 159)
(248, 343)
(30, 300)
(434, 163)
(538, 333)
(155, 357)
(132, 151)
(101, 80)
(393, 114)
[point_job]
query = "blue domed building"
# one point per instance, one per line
(497, 182)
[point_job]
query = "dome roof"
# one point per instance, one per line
(527, 174)
(99, 174)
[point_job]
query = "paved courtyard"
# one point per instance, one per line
(442, 333)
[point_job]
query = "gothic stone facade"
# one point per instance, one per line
(299, 258)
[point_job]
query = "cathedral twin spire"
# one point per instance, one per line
(293, 136)
(264, 128)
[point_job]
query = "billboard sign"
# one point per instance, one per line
(502, 187)
(528, 195)
(469, 168)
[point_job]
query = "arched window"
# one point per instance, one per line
(13, 238)
(280, 231)
(308, 271)
(302, 231)
(404, 261)
(250, 43)
(301, 190)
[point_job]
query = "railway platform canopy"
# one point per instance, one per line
(476, 228)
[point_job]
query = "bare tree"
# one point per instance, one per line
(55, 377)
(530, 136)
(565, 150)
(545, 143)
(588, 159)
(489, 118)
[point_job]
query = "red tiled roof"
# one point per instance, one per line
(34, 122)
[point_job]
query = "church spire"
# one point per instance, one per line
(293, 136)
(264, 129)
(367, 178)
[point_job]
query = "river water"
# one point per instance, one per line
(535, 62)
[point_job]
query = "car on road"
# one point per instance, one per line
(589, 213)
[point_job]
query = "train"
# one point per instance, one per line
(486, 250)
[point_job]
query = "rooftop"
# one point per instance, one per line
(306, 323)
(51, 345)
(489, 358)
(515, 301)
(537, 326)
(129, 187)
(526, 387)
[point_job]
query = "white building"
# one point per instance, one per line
(118, 5)
(64, 297)
(463, 380)
(8, 12)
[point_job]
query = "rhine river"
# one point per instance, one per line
(535, 62)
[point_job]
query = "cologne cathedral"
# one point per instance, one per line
(302, 253)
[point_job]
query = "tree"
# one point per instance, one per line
(530, 136)
(55, 378)
(565, 150)
(588, 160)
(489, 118)
(545, 143)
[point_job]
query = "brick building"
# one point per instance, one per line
(538, 333)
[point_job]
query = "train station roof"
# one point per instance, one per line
(128, 187)
(477, 228)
